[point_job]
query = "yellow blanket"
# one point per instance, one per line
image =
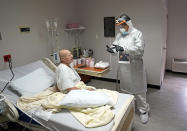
(89, 117)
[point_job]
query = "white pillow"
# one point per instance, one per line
(32, 83)
(85, 99)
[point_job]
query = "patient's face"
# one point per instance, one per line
(68, 57)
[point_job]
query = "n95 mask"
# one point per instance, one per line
(123, 32)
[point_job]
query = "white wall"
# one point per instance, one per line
(146, 16)
(177, 39)
(26, 48)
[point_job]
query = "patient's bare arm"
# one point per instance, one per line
(73, 88)
(76, 88)
(90, 89)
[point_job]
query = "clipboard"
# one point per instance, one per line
(123, 57)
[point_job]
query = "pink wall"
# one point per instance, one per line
(177, 31)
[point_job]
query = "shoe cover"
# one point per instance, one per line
(144, 117)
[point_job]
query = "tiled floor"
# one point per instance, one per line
(168, 105)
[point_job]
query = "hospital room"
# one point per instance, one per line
(93, 65)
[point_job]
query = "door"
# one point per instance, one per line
(164, 39)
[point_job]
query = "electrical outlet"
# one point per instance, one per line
(7, 57)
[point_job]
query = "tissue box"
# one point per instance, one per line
(69, 26)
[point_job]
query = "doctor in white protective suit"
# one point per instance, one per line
(132, 75)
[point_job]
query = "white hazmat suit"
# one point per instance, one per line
(133, 44)
(133, 76)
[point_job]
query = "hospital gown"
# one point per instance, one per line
(66, 77)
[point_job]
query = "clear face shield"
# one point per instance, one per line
(122, 26)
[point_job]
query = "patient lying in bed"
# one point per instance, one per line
(66, 76)
(28, 82)
(90, 106)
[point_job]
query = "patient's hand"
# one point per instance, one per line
(90, 89)
(73, 88)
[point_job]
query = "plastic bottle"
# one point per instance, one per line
(88, 62)
(92, 62)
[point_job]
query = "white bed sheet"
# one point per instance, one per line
(62, 120)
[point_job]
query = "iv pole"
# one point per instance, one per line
(51, 25)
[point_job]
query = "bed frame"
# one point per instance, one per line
(123, 121)
(127, 120)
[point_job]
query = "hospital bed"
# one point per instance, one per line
(64, 120)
